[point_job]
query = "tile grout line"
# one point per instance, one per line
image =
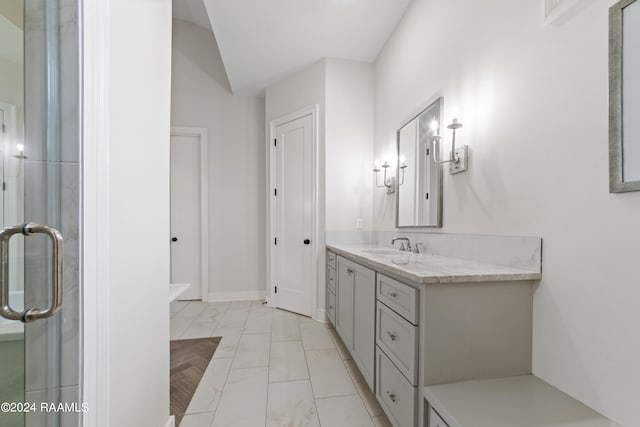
(210, 363)
(226, 378)
(313, 394)
(353, 381)
(306, 362)
(266, 406)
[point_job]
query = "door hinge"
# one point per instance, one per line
(427, 196)
(4, 186)
(276, 290)
(4, 128)
(275, 142)
(275, 191)
(427, 151)
(275, 241)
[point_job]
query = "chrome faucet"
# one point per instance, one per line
(402, 247)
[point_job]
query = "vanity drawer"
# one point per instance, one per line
(399, 340)
(331, 279)
(331, 259)
(331, 307)
(435, 420)
(395, 394)
(403, 299)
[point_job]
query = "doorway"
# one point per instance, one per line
(189, 211)
(293, 212)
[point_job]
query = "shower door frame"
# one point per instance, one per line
(95, 32)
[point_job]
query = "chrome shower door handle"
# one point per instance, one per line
(31, 314)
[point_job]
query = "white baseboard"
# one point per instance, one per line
(321, 315)
(236, 296)
(171, 422)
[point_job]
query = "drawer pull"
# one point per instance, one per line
(392, 336)
(392, 396)
(331, 279)
(393, 294)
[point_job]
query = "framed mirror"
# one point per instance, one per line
(419, 177)
(624, 96)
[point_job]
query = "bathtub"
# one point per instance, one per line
(11, 330)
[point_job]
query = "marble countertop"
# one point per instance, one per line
(426, 268)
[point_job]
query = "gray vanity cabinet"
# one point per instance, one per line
(364, 320)
(331, 287)
(406, 334)
(355, 298)
(344, 301)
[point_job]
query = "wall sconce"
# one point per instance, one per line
(20, 149)
(459, 157)
(402, 166)
(388, 183)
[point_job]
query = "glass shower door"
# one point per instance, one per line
(40, 170)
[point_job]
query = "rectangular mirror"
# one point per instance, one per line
(624, 96)
(419, 182)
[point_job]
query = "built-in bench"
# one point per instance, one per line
(524, 401)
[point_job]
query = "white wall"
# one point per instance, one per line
(200, 97)
(139, 81)
(348, 146)
(534, 103)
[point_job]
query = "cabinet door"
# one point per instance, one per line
(364, 303)
(331, 307)
(344, 301)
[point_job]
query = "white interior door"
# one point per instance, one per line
(185, 214)
(294, 215)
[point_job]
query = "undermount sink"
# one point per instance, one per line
(381, 251)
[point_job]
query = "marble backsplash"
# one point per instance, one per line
(509, 251)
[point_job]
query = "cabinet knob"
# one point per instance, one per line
(392, 335)
(392, 396)
(174, 239)
(306, 241)
(393, 294)
(349, 271)
(330, 307)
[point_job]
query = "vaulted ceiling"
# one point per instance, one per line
(192, 11)
(262, 41)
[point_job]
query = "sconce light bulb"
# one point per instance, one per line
(20, 147)
(403, 160)
(455, 113)
(434, 126)
(377, 164)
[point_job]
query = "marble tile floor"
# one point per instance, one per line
(274, 369)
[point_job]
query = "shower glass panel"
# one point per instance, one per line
(40, 172)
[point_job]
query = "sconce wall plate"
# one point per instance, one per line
(461, 153)
(391, 185)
